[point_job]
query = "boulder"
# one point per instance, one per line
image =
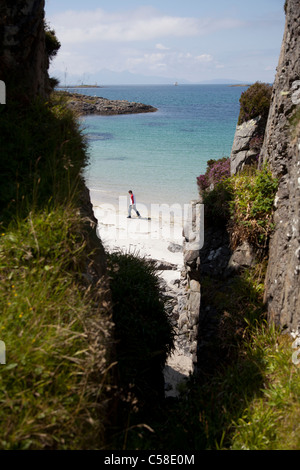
(175, 248)
(242, 258)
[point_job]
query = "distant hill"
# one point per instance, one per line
(223, 81)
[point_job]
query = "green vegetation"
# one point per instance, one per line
(254, 102)
(52, 389)
(215, 191)
(143, 331)
(217, 203)
(43, 155)
(52, 43)
(251, 208)
(144, 338)
(249, 399)
(243, 202)
(271, 419)
(61, 388)
(55, 322)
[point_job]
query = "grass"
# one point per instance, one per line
(43, 154)
(55, 319)
(249, 399)
(144, 338)
(271, 420)
(56, 330)
(60, 387)
(57, 384)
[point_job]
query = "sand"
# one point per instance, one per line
(156, 235)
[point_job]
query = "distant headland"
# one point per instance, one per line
(68, 87)
(84, 105)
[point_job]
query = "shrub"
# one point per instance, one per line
(252, 208)
(217, 170)
(244, 202)
(215, 190)
(217, 203)
(143, 331)
(255, 102)
(52, 43)
(43, 155)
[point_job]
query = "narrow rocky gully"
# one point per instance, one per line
(180, 363)
(182, 300)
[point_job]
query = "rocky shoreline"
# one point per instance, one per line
(84, 105)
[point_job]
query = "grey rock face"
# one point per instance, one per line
(24, 62)
(242, 153)
(281, 150)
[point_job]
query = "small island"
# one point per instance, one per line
(84, 105)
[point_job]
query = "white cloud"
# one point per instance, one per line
(162, 47)
(168, 61)
(135, 41)
(204, 58)
(143, 24)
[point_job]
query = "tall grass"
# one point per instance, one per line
(249, 399)
(271, 419)
(144, 338)
(56, 329)
(43, 154)
(55, 319)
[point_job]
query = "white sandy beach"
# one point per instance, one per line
(153, 236)
(156, 235)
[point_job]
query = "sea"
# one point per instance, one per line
(159, 155)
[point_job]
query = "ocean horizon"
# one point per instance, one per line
(158, 155)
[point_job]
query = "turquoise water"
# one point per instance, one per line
(159, 155)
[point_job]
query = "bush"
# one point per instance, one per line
(43, 155)
(143, 331)
(244, 202)
(217, 170)
(252, 208)
(52, 43)
(215, 191)
(255, 102)
(217, 203)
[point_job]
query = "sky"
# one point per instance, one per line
(163, 41)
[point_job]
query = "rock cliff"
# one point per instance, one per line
(281, 150)
(243, 152)
(23, 58)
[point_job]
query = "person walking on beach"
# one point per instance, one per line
(132, 205)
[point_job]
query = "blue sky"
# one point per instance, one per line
(152, 41)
